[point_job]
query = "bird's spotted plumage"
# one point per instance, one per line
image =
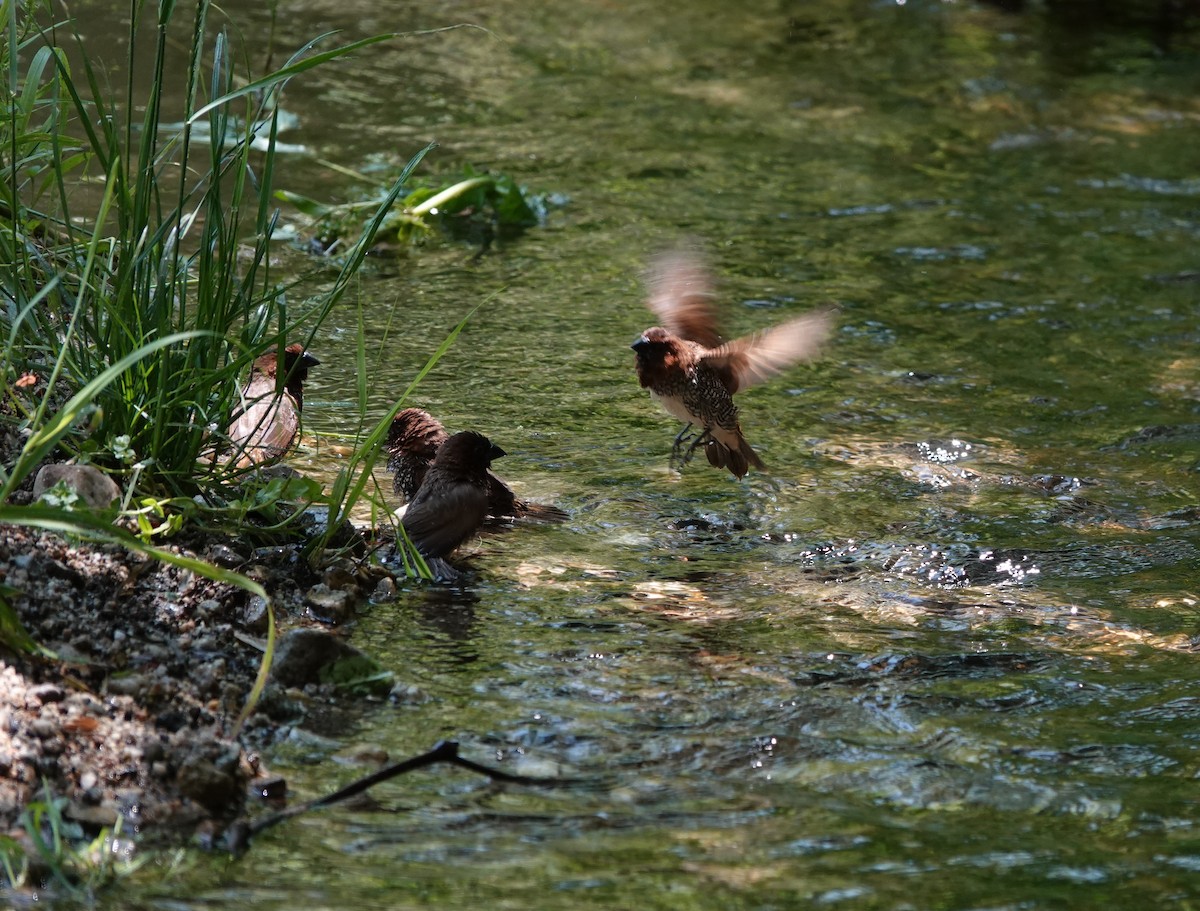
(694, 374)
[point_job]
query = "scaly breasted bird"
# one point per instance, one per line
(694, 373)
(452, 500)
(413, 442)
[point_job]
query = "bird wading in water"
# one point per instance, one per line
(452, 501)
(412, 444)
(694, 373)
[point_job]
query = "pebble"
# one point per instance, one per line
(301, 654)
(93, 487)
(211, 783)
(46, 693)
(224, 555)
(328, 605)
(129, 685)
(152, 652)
(208, 608)
(254, 616)
(92, 796)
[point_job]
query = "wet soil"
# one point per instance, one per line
(135, 714)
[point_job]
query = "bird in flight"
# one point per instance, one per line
(694, 373)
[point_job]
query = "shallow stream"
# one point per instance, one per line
(943, 654)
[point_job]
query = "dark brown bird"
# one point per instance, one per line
(452, 500)
(413, 442)
(267, 420)
(694, 373)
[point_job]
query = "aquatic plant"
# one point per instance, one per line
(55, 857)
(477, 207)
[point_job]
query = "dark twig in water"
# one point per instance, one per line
(238, 835)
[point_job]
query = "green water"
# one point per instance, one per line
(941, 655)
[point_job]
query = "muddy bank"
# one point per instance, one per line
(135, 716)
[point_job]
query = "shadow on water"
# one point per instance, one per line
(941, 653)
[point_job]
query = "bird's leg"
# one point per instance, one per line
(696, 443)
(680, 438)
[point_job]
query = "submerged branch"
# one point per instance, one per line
(238, 835)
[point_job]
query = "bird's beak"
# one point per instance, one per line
(640, 343)
(308, 360)
(496, 452)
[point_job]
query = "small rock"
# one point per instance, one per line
(328, 605)
(128, 685)
(153, 748)
(88, 780)
(385, 590)
(408, 694)
(254, 616)
(152, 652)
(209, 776)
(94, 816)
(47, 766)
(208, 608)
(224, 555)
(93, 487)
(92, 796)
(45, 693)
(258, 573)
(302, 653)
(43, 729)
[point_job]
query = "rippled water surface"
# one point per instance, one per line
(942, 654)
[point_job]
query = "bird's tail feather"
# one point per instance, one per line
(540, 512)
(738, 461)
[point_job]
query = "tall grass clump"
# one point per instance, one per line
(137, 284)
(136, 249)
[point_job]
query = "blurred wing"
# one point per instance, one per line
(679, 292)
(750, 360)
(441, 517)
